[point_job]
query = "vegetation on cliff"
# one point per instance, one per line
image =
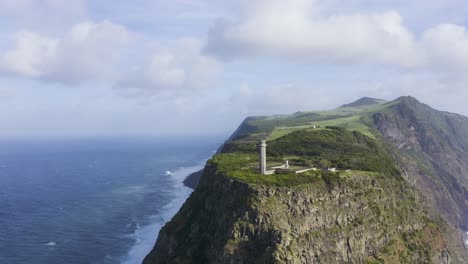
(432, 149)
(347, 150)
(368, 212)
(243, 167)
(367, 218)
(430, 146)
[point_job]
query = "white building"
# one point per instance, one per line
(262, 157)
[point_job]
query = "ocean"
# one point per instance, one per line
(92, 201)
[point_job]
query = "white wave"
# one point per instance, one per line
(50, 244)
(146, 236)
(465, 237)
(168, 173)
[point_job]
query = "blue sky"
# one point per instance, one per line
(82, 68)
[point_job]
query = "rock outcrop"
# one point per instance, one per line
(193, 179)
(364, 219)
(432, 147)
(411, 156)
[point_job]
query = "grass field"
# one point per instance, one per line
(281, 131)
(277, 126)
(350, 122)
(353, 123)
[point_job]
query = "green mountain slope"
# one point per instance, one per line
(393, 159)
(364, 102)
(434, 144)
(434, 148)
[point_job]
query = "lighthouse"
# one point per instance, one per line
(262, 157)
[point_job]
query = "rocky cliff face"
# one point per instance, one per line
(433, 150)
(363, 219)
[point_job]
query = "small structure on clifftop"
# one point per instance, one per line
(262, 157)
(281, 169)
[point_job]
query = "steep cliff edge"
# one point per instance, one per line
(193, 179)
(363, 218)
(431, 145)
(433, 153)
(364, 213)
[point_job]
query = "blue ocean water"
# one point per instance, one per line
(91, 201)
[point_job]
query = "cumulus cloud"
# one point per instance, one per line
(86, 51)
(298, 29)
(174, 69)
(447, 46)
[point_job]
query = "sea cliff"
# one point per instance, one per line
(362, 219)
(370, 211)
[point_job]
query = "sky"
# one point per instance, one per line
(80, 68)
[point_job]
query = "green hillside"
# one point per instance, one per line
(273, 127)
(338, 147)
(367, 211)
(430, 146)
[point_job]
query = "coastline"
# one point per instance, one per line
(192, 180)
(145, 236)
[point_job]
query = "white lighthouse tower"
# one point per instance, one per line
(262, 157)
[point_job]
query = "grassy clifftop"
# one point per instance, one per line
(341, 148)
(366, 218)
(431, 146)
(345, 149)
(367, 212)
(355, 118)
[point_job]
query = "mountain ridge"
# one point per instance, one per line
(458, 125)
(427, 146)
(364, 101)
(437, 140)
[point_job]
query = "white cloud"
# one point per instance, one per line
(86, 51)
(298, 29)
(174, 69)
(30, 51)
(447, 46)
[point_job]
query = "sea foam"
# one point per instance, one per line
(145, 236)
